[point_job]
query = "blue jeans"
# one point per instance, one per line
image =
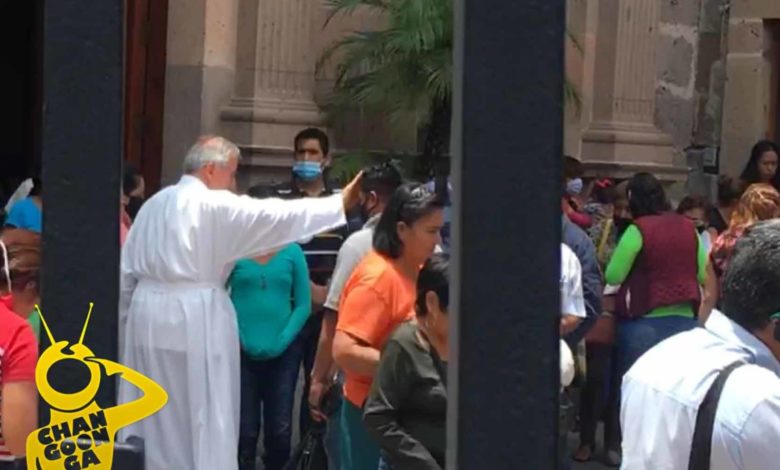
(267, 398)
(359, 451)
(636, 337)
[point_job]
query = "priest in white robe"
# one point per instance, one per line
(177, 324)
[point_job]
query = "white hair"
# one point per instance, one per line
(210, 149)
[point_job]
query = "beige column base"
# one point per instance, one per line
(621, 149)
(264, 129)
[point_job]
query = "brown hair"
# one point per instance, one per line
(692, 202)
(24, 258)
(760, 201)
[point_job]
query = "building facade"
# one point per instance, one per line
(681, 88)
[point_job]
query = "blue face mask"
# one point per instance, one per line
(307, 171)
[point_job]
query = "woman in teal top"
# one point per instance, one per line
(272, 298)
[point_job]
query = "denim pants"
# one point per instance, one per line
(636, 337)
(267, 398)
(359, 450)
(599, 397)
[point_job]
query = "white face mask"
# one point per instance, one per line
(6, 268)
(574, 187)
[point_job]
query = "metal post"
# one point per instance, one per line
(82, 130)
(507, 143)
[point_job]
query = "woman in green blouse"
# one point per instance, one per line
(661, 265)
(272, 298)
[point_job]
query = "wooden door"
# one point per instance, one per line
(145, 87)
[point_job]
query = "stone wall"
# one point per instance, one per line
(689, 81)
(677, 51)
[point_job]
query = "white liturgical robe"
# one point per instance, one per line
(177, 322)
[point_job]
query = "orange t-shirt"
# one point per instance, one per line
(375, 300)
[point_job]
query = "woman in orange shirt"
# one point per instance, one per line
(378, 297)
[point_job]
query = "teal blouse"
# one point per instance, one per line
(272, 301)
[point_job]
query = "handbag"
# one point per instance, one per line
(310, 453)
(603, 331)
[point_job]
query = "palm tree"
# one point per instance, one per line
(404, 70)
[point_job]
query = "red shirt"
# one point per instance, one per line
(18, 355)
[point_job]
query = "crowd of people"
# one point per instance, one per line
(226, 298)
(666, 272)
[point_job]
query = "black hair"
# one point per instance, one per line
(572, 168)
(692, 202)
(646, 196)
(313, 133)
(382, 178)
(750, 295)
(260, 191)
(434, 277)
(410, 202)
(750, 174)
(729, 190)
(131, 179)
(604, 191)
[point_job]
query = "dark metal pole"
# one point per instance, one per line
(507, 145)
(82, 145)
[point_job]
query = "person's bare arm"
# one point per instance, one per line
(324, 366)
(711, 293)
(318, 295)
(354, 355)
(19, 414)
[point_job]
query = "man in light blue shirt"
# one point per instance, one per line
(662, 392)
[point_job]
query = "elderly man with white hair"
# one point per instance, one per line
(176, 319)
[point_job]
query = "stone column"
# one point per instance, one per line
(746, 102)
(622, 137)
(274, 88)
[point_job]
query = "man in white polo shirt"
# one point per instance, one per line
(572, 313)
(682, 409)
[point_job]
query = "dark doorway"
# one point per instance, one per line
(145, 45)
(20, 65)
(772, 54)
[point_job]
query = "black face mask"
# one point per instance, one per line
(365, 213)
(621, 224)
(701, 227)
(134, 205)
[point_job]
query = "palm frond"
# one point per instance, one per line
(401, 69)
(576, 42)
(348, 7)
(571, 95)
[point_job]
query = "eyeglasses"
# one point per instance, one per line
(420, 191)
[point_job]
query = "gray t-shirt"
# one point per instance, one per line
(354, 249)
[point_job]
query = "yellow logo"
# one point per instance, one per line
(80, 434)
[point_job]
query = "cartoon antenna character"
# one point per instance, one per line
(80, 433)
